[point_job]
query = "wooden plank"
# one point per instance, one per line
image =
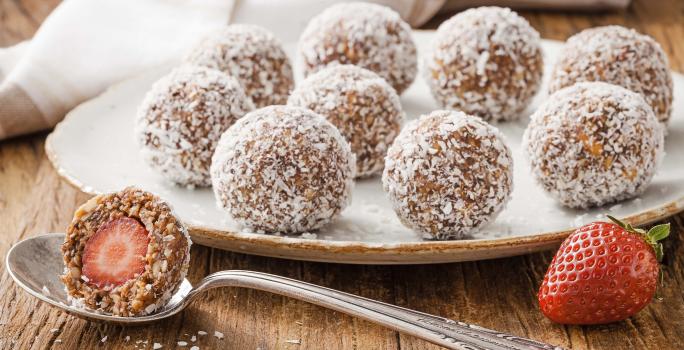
(499, 294)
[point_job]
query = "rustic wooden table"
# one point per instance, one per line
(498, 294)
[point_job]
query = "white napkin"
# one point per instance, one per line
(86, 45)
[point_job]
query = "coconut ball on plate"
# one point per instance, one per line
(620, 56)
(182, 118)
(448, 174)
(485, 61)
(363, 34)
(125, 253)
(283, 169)
(361, 104)
(252, 55)
(593, 143)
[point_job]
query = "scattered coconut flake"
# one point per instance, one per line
(294, 341)
(194, 347)
(218, 334)
(156, 346)
(193, 338)
(201, 333)
(308, 235)
(54, 330)
(104, 339)
(182, 343)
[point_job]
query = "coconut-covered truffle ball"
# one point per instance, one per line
(448, 174)
(283, 169)
(361, 105)
(125, 253)
(593, 143)
(619, 56)
(253, 56)
(485, 61)
(182, 118)
(363, 34)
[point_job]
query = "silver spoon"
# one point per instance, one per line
(36, 263)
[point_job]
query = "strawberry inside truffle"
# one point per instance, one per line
(116, 252)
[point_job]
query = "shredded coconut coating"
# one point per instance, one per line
(182, 118)
(485, 61)
(363, 34)
(252, 55)
(283, 169)
(448, 174)
(593, 143)
(167, 259)
(620, 56)
(361, 104)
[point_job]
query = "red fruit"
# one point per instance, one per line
(603, 272)
(115, 253)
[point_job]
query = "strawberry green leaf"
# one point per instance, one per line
(617, 222)
(659, 232)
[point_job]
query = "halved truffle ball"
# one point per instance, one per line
(593, 143)
(126, 253)
(448, 174)
(361, 104)
(283, 169)
(485, 61)
(182, 118)
(363, 34)
(253, 56)
(620, 56)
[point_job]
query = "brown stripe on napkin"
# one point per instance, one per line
(18, 114)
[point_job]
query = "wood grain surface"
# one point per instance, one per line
(498, 294)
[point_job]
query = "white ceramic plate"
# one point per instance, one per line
(94, 148)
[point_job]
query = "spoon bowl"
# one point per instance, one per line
(36, 263)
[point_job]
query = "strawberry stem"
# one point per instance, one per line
(652, 237)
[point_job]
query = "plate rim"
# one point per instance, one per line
(355, 252)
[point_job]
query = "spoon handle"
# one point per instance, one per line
(437, 330)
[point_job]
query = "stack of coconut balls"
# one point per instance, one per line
(283, 159)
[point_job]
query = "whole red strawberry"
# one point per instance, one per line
(603, 272)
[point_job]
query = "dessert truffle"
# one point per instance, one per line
(363, 34)
(448, 174)
(283, 169)
(619, 56)
(125, 253)
(486, 62)
(182, 118)
(252, 55)
(361, 105)
(593, 143)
